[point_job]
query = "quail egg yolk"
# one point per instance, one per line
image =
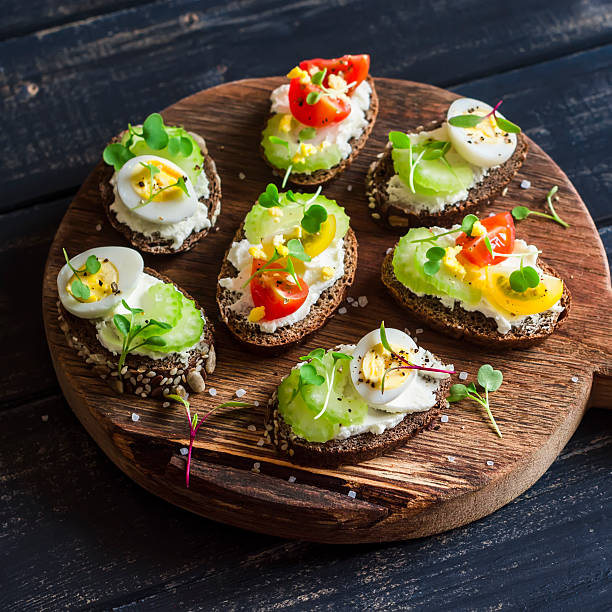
(163, 178)
(377, 361)
(101, 284)
(487, 128)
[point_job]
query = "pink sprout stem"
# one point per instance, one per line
(494, 109)
(411, 366)
(193, 432)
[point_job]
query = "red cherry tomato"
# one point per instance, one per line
(276, 291)
(352, 68)
(500, 229)
(326, 111)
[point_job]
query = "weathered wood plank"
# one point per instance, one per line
(67, 90)
(78, 534)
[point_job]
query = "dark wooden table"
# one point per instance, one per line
(75, 533)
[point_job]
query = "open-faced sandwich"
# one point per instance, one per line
(287, 270)
(135, 326)
(356, 402)
(321, 120)
(160, 189)
(437, 175)
(476, 280)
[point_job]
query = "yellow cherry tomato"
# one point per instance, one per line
(533, 301)
(314, 244)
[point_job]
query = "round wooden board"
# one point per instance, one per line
(414, 491)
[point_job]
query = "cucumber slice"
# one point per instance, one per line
(163, 302)
(192, 164)
(408, 261)
(260, 224)
(433, 177)
(186, 332)
(280, 156)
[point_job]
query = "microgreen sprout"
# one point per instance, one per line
(434, 258)
(310, 376)
(92, 265)
(286, 177)
(195, 422)
(307, 133)
(466, 227)
(524, 278)
(279, 141)
(78, 288)
(407, 365)
(130, 329)
(269, 198)
(314, 217)
(470, 121)
(295, 250)
(313, 97)
(490, 380)
(522, 212)
(156, 137)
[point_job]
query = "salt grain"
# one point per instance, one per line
(349, 188)
(261, 442)
(362, 300)
(44, 418)
(135, 417)
(342, 310)
(240, 393)
(184, 451)
(352, 494)
(355, 304)
(389, 251)
(212, 391)
(574, 379)
(255, 403)
(418, 330)
(252, 428)
(444, 418)
(350, 299)
(525, 184)
(98, 228)
(291, 479)
(463, 375)
(241, 176)
(451, 459)
(489, 462)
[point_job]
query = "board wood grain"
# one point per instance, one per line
(414, 491)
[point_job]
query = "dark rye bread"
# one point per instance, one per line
(318, 177)
(473, 326)
(163, 246)
(356, 448)
(249, 333)
(141, 375)
(479, 196)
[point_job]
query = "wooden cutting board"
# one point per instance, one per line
(446, 477)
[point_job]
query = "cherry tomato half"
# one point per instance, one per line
(276, 291)
(352, 68)
(326, 111)
(500, 229)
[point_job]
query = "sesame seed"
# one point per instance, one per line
(371, 205)
(252, 428)
(352, 494)
(240, 393)
(418, 330)
(375, 216)
(362, 300)
(505, 191)
(444, 418)
(212, 391)
(135, 417)
(184, 451)
(255, 403)
(451, 458)
(241, 176)
(389, 251)
(525, 184)
(291, 479)
(98, 227)
(261, 442)
(574, 379)
(489, 462)
(256, 465)
(166, 405)
(463, 375)
(44, 418)
(342, 310)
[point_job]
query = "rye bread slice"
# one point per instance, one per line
(473, 326)
(158, 245)
(356, 448)
(141, 375)
(249, 333)
(319, 177)
(482, 194)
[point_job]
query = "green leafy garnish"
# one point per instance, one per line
(466, 226)
(154, 132)
(317, 77)
(195, 422)
(308, 133)
(399, 140)
(115, 154)
(269, 198)
(313, 217)
(312, 377)
(470, 121)
(313, 97)
(78, 288)
(180, 145)
(276, 140)
(291, 196)
(522, 212)
(296, 250)
(130, 330)
(490, 380)
(524, 278)
(92, 265)
(434, 259)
